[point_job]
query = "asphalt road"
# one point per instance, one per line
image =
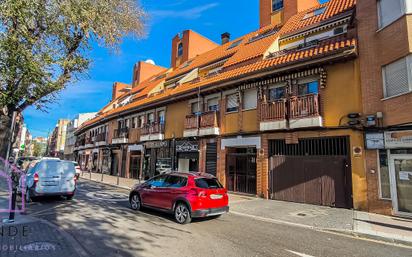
(100, 220)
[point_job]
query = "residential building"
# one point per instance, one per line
(70, 137)
(57, 139)
(266, 113)
(385, 45)
(39, 146)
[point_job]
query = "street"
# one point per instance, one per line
(100, 220)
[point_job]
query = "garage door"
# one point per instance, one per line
(318, 177)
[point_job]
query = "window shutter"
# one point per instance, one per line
(232, 102)
(389, 11)
(250, 99)
(396, 78)
(211, 103)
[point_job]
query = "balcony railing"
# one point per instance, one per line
(209, 120)
(134, 135)
(192, 122)
(153, 128)
(89, 141)
(101, 137)
(272, 111)
(304, 106)
(121, 133)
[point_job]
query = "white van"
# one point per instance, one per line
(51, 177)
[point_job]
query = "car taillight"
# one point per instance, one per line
(199, 193)
(36, 178)
(75, 178)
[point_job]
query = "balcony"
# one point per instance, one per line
(304, 111)
(205, 124)
(152, 132)
(273, 115)
(100, 139)
(121, 136)
(89, 143)
(298, 112)
(191, 126)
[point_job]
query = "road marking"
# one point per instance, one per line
(108, 195)
(299, 254)
(344, 233)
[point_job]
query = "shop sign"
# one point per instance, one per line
(187, 146)
(398, 139)
(156, 144)
(375, 141)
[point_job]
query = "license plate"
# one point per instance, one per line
(215, 197)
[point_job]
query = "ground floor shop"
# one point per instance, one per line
(389, 172)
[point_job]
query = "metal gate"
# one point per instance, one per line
(314, 171)
(241, 173)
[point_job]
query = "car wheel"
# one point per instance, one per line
(182, 214)
(135, 202)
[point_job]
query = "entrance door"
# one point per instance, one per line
(115, 164)
(134, 166)
(241, 173)
(401, 183)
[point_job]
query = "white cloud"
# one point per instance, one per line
(192, 13)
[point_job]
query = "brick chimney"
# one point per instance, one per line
(189, 45)
(225, 38)
(119, 89)
(277, 12)
(144, 70)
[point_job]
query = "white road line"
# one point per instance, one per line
(299, 254)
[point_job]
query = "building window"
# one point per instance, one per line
(180, 49)
(277, 93)
(150, 118)
(250, 99)
(213, 104)
(161, 117)
(134, 122)
(389, 11)
(277, 5)
(384, 184)
(314, 13)
(308, 88)
(195, 108)
(141, 121)
(397, 77)
(232, 103)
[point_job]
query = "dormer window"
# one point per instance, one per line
(180, 49)
(314, 13)
(235, 44)
(277, 5)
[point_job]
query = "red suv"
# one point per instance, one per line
(187, 195)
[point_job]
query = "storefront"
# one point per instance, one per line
(135, 156)
(395, 168)
(157, 158)
(187, 155)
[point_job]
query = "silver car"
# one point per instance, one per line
(51, 177)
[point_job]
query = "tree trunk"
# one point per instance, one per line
(5, 133)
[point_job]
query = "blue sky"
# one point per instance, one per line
(166, 19)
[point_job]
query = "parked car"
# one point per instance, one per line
(78, 170)
(186, 195)
(51, 177)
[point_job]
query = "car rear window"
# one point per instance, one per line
(208, 183)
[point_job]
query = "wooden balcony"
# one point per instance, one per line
(153, 131)
(120, 136)
(192, 122)
(271, 111)
(304, 106)
(304, 111)
(100, 139)
(209, 124)
(298, 112)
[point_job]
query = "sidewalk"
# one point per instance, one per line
(125, 183)
(29, 236)
(362, 224)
